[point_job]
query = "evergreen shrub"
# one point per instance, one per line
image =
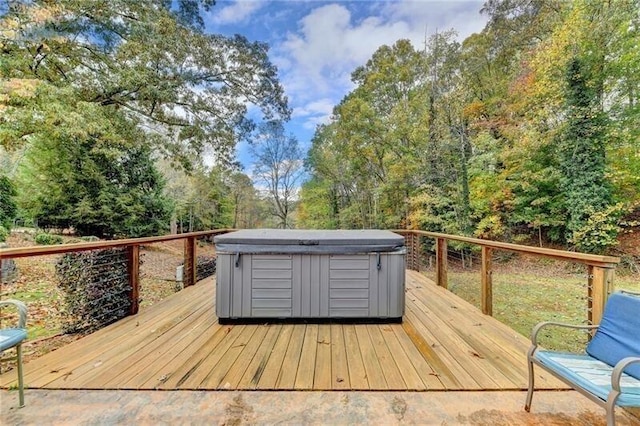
(48, 239)
(96, 288)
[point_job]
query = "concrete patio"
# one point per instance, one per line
(109, 407)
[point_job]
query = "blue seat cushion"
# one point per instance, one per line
(10, 337)
(618, 335)
(592, 375)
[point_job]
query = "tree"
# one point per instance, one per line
(582, 150)
(244, 200)
(97, 189)
(8, 206)
(146, 61)
(98, 83)
(202, 198)
(401, 131)
(278, 164)
(365, 163)
(329, 187)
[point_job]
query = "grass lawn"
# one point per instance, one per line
(522, 298)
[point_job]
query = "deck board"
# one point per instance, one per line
(307, 363)
(322, 370)
(444, 343)
(271, 372)
(385, 358)
(290, 363)
(410, 378)
(339, 366)
(357, 373)
(233, 376)
(257, 365)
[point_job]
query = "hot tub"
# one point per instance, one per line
(269, 273)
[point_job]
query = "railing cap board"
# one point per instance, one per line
(67, 248)
(589, 259)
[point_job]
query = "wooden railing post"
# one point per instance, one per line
(412, 265)
(189, 261)
(487, 285)
(600, 280)
(441, 262)
(134, 277)
(414, 253)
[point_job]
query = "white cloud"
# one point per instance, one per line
(314, 113)
(429, 16)
(317, 59)
(328, 46)
(238, 11)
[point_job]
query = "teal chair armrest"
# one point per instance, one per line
(22, 310)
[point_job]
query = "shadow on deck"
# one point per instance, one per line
(444, 343)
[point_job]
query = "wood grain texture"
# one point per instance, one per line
(444, 343)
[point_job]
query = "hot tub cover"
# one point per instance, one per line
(308, 241)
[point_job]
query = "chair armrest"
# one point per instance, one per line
(619, 369)
(541, 325)
(22, 310)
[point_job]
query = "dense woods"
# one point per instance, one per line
(528, 131)
(94, 94)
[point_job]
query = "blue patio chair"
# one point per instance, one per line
(608, 371)
(10, 337)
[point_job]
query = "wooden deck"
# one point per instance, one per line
(443, 344)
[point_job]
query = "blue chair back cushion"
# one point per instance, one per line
(618, 335)
(10, 337)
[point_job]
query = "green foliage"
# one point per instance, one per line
(319, 208)
(88, 90)
(216, 197)
(96, 288)
(582, 152)
(8, 206)
(599, 231)
(525, 131)
(205, 199)
(48, 239)
(432, 210)
(63, 61)
(95, 189)
(4, 234)
(370, 159)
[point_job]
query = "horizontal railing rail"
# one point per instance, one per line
(69, 248)
(133, 260)
(600, 269)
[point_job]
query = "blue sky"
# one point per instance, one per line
(317, 44)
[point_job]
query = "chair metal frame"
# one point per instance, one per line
(608, 404)
(22, 322)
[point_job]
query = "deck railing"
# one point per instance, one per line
(132, 246)
(600, 269)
